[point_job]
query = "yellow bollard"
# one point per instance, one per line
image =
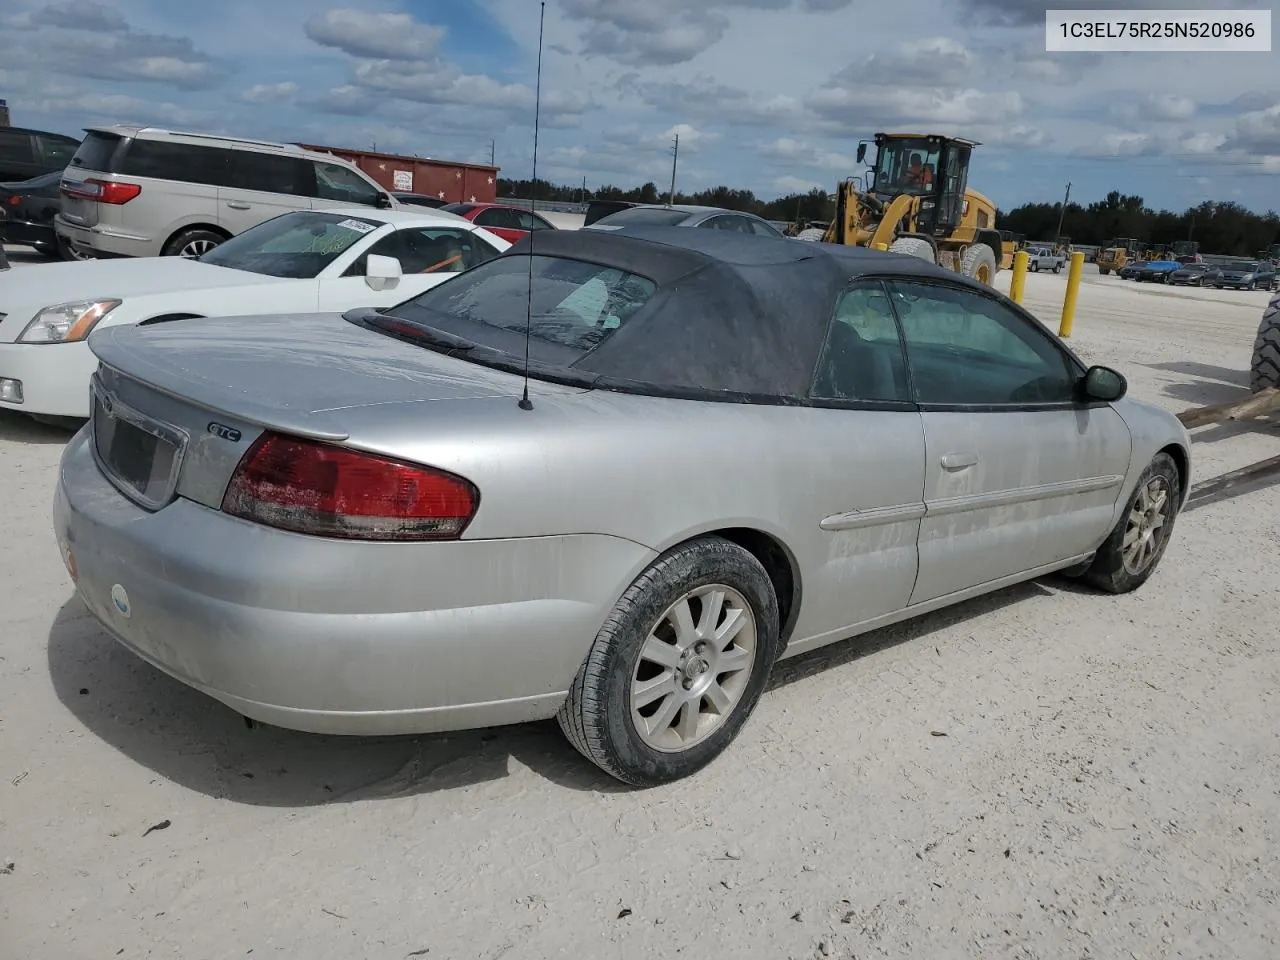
(881, 246)
(1073, 287)
(1020, 261)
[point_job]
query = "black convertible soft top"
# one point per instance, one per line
(733, 313)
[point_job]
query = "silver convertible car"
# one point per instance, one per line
(728, 449)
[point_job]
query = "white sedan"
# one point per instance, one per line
(302, 262)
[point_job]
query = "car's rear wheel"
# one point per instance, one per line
(678, 666)
(1129, 556)
(192, 243)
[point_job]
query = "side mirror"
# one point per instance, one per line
(862, 152)
(382, 272)
(1105, 384)
(383, 202)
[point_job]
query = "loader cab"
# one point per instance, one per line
(931, 167)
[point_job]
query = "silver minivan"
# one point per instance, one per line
(145, 192)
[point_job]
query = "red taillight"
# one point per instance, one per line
(104, 191)
(331, 491)
(14, 200)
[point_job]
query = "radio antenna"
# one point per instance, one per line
(525, 402)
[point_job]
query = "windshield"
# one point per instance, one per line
(574, 304)
(906, 166)
(296, 245)
(640, 215)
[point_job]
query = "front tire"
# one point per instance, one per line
(979, 263)
(1129, 556)
(913, 247)
(678, 666)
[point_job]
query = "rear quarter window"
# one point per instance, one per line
(97, 151)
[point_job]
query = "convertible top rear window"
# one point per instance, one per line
(569, 303)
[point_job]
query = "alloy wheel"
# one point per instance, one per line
(196, 248)
(1145, 531)
(693, 668)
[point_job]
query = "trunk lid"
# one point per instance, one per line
(177, 405)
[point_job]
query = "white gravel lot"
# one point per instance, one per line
(1108, 786)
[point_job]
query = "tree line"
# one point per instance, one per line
(1226, 228)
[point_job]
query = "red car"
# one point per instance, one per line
(510, 223)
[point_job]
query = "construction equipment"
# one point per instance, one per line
(1116, 254)
(917, 203)
(1010, 243)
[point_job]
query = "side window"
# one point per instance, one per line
(497, 217)
(862, 358)
(524, 220)
(272, 173)
(338, 183)
(165, 160)
(57, 152)
(15, 146)
(392, 245)
(965, 348)
(762, 229)
(430, 250)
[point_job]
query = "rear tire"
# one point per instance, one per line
(192, 243)
(1103, 270)
(913, 247)
(1131, 553)
(643, 706)
(1264, 371)
(979, 263)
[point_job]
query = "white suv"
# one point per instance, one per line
(145, 192)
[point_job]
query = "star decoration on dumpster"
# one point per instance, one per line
(491, 181)
(473, 199)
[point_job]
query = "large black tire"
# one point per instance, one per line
(598, 716)
(1103, 270)
(979, 262)
(1265, 369)
(913, 247)
(192, 243)
(1114, 571)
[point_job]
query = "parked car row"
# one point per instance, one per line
(1246, 275)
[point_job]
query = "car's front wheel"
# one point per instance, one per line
(1129, 556)
(678, 666)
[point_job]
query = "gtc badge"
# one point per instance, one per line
(224, 432)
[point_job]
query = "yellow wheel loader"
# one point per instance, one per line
(917, 203)
(1116, 254)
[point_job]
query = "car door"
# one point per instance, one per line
(428, 256)
(1019, 475)
(336, 185)
(865, 505)
(260, 186)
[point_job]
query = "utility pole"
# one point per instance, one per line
(492, 147)
(1063, 212)
(675, 156)
(584, 189)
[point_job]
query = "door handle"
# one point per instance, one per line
(958, 461)
(237, 206)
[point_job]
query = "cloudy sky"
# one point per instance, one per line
(772, 95)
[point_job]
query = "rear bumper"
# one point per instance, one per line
(54, 377)
(107, 241)
(339, 637)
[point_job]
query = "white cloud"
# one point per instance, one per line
(270, 92)
(386, 36)
(787, 185)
